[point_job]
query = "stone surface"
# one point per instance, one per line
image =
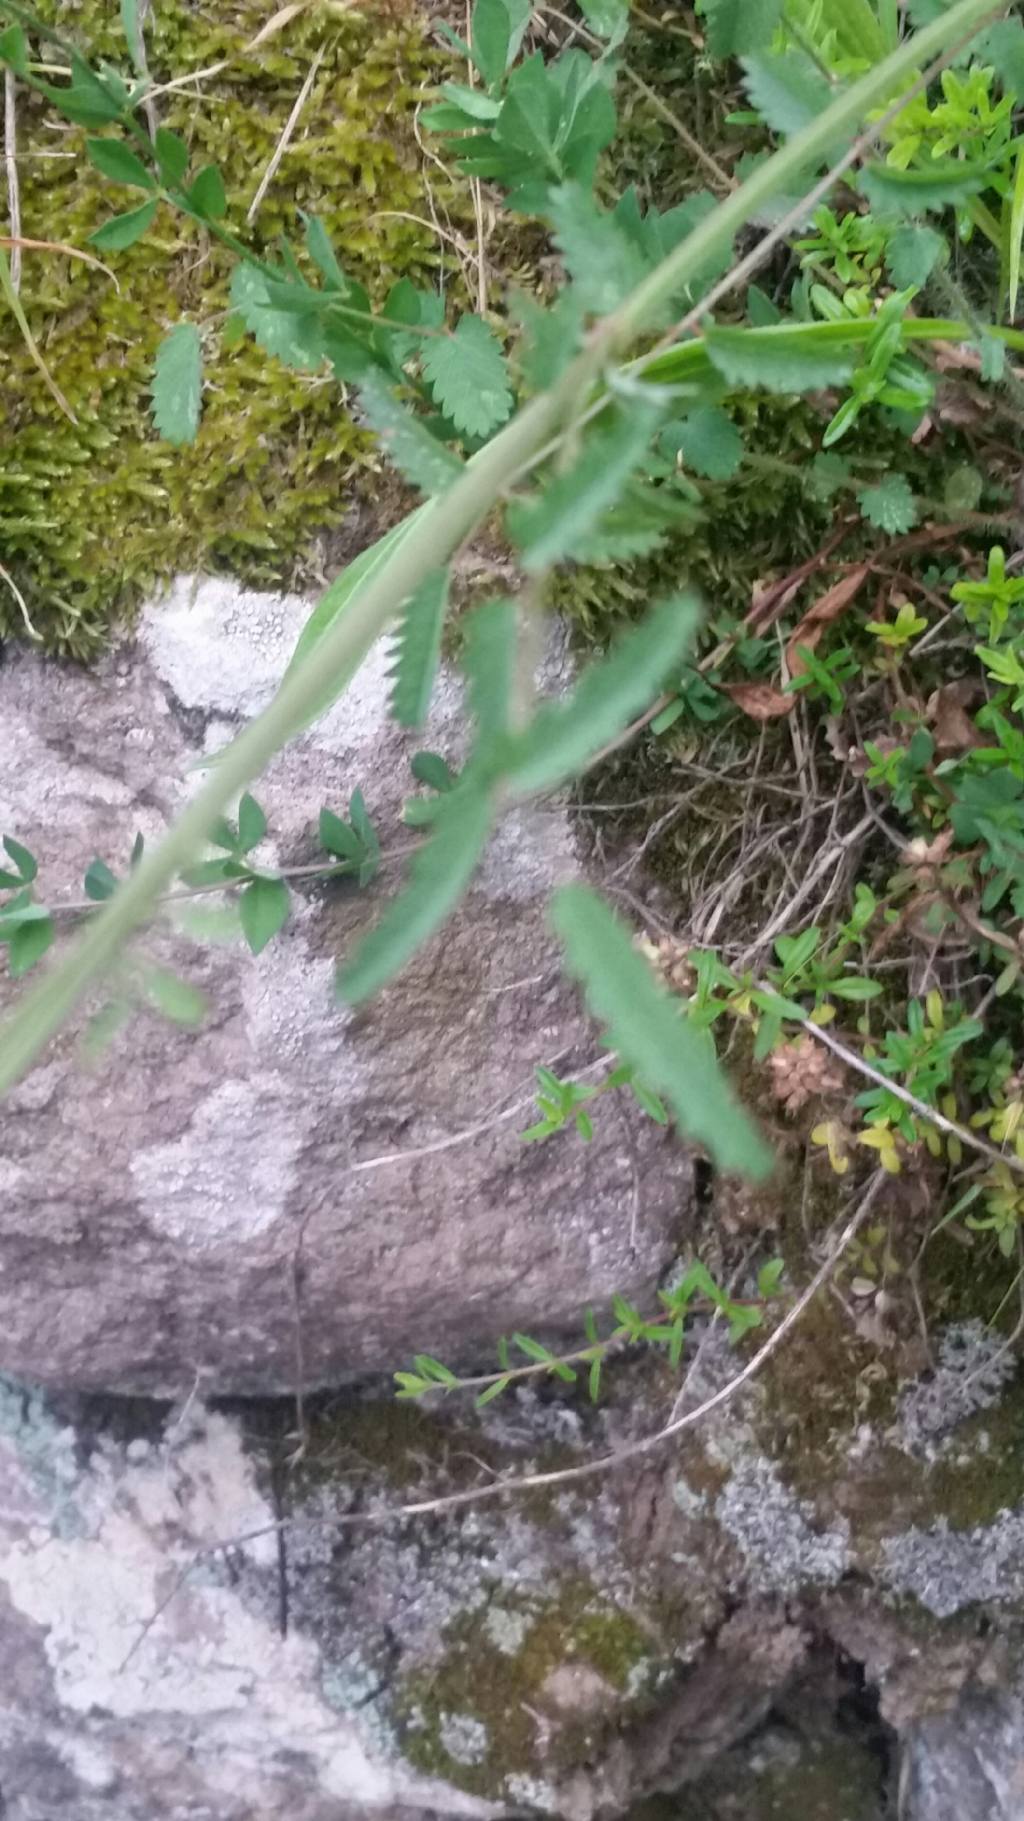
(214, 1615)
(969, 1765)
(169, 1211)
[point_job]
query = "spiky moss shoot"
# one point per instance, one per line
(526, 1688)
(94, 514)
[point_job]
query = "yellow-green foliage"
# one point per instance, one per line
(92, 514)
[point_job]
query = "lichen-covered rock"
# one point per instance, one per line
(968, 1765)
(208, 1616)
(291, 1193)
(213, 1712)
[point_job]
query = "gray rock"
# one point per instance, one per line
(968, 1765)
(174, 1212)
(211, 1714)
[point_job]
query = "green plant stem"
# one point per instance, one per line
(443, 527)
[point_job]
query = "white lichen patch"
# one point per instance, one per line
(948, 1570)
(229, 1174)
(973, 1368)
(223, 649)
(776, 1534)
(464, 1738)
(246, 1705)
(507, 1630)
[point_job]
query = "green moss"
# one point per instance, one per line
(401, 1442)
(492, 1686)
(95, 513)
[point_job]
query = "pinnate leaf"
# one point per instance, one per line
(647, 1029)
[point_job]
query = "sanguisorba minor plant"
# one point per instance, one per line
(567, 450)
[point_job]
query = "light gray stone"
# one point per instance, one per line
(173, 1212)
(968, 1765)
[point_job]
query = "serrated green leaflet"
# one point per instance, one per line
(552, 525)
(649, 1031)
(786, 359)
(564, 736)
(178, 384)
(438, 877)
(913, 253)
(890, 505)
(467, 375)
(914, 192)
(708, 441)
(603, 262)
(418, 650)
(489, 663)
(419, 457)
(788, 91)
(736, 27)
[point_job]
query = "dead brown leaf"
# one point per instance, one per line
(761, 701)
(950, 722)
(828, 608)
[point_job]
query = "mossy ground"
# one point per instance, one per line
(93, 514)
(494, 1674)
